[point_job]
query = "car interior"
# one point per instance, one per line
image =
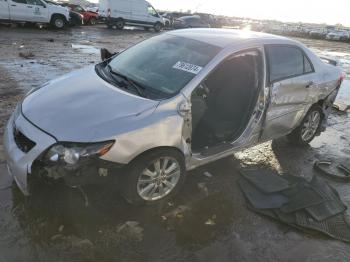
(224, 102)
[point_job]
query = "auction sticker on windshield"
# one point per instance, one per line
(194, 69)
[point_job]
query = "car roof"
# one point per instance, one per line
(228, 37)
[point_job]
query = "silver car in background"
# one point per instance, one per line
(168, 105)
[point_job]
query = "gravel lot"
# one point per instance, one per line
(208, 221)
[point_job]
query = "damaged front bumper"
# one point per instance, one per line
(25, 146)
(19, 135)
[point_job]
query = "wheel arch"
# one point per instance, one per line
(58, 15)
(156, 149)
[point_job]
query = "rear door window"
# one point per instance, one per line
(286, 61)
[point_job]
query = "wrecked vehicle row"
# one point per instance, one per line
(157, 114)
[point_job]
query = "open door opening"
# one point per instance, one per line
(224, 102)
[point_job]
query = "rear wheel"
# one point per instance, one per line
(120, 24)
(93, 21)
(308, 128)
(157, 27)
(153, 177)
(58, 21)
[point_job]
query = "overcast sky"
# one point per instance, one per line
(318, 11)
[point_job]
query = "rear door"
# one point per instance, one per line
(290, 77)
(19, 10)
(4, 10)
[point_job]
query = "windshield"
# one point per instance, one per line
(164, 64)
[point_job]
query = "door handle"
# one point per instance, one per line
(13, 5)
(29, 6)
(309, 84)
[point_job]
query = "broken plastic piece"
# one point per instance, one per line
(342, 175)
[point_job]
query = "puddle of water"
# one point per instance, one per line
(86, 49)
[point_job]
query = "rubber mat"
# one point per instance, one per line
(303, 198)
(259, 199)
(266, 180)
(289, 219)
(296, 185)
(266, 212)
(335, 227)
(331, 207)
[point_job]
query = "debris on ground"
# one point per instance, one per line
(211, 221)
(56, 237)
(203, 188)
(207, 174)
(26, 55)
(293, 200)
(131, 230)
(82, 243)
(60, 229)
(333, 170)
(180, 210)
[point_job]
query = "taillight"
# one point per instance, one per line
(109, 12)
(341, 78)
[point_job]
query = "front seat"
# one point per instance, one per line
(232, 90)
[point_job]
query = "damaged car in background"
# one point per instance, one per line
(156, 114)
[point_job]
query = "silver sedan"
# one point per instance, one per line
(168, 105)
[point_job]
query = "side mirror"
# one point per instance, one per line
(105, 54)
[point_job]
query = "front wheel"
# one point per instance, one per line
(308, 128)
(58, 22)
(153, 177)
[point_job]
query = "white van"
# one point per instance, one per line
(130, 12)
(33, 11)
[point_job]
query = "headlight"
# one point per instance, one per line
(71, 153)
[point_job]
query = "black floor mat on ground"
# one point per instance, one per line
(335, 227)
(259, 199)
(331, 206)
(303, 198)
(265, 180)
(307, 206)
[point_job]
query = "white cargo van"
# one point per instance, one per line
(130, 12)
(33, 11)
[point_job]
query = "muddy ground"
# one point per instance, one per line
(207, 221)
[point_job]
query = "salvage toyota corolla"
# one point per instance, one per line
(167, 105)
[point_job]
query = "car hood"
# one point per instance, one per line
(82, 107)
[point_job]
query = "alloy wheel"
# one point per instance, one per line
(158, 179)
(59, 23)
(310, 125)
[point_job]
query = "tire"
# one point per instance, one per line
(158, 27)
(307, 130)
(120, 24)
(154, 186)
(93, 21)
(58, 21)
